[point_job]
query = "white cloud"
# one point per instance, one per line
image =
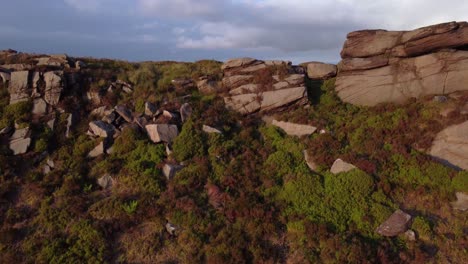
(175, 8)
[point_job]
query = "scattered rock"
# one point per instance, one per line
(4, 77)
(170, 170)
(51, 124)
(168, 150)
(6, 130)
(410, 235)
(320, 70)
(97, 151)
(309, 161)
(150, 109)
(106, 182)
(171, 229)
(340, 166)
(70, 122)
(102, 129)
(124, 113)
(102, 111)
(185, 112)
(169, 115)
(210, 130)
(462, 202)
(396, 224)
(94, 97)
(450, 146)
(207, 86)
(46, 169)
(162, 132)
(295, 129)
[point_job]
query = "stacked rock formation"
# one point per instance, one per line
(257, 86)
(381, 66)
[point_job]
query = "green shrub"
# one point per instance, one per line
(189, 143)
(130, 207)
(460, 181)
(19, 112)
(422, 227)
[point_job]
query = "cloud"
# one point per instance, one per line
(85, 5)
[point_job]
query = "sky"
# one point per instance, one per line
(190, 30)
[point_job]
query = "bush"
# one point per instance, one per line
(422, 227)
(460, 181)
(189, 143)
(19, 112)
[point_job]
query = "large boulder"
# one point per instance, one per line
(396, 224)
(19, 87)
(320, 70)
(162, 132)
(260, 86)
(54, 85)
(101, 129)
(381, 66)
(295, 129)
(451, 146)
(125, 113)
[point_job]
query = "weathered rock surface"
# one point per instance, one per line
(396, 224)
(462, 202)
(254, 86)
(451, 146)
(162, 132)
(320, 71)
(97, 151)
(101, 129)
(54, 86)
(19, 141)
(392, 66)
(340, 166)
(4, 77)
(294, 129)
(210, 130)
(19, 88)
(39, 107)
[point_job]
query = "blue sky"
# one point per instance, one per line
(188, 30)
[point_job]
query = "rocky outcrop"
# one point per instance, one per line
(340, 166)
(54, 85)
(294, 129)
(320, 70)
(396, 224)
(207, 86)
(162, 132)
(19, 88)
(257, 86)
(381, 66)
(451, 146)
(462, 202)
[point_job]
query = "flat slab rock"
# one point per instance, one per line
(396, 224)
(101, 129)
(340, 166)
(162, 132)
(320, 70)
(170, 170)
(293, 129)
(451, 146)
(462, 202)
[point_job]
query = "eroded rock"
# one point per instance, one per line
(396, 224)
(295, 129)
(162, 132)
(451, 146)
(340, 166)
(320, 70)
(101, 129)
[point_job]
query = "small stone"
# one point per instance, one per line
(171, 229)
(106, 182)
(150, 109)
(396, 224)
(295, 129)
(410, 235)
(210, 130)
(101, 129)
(185, 112)
(170, 171)
(309, 161)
